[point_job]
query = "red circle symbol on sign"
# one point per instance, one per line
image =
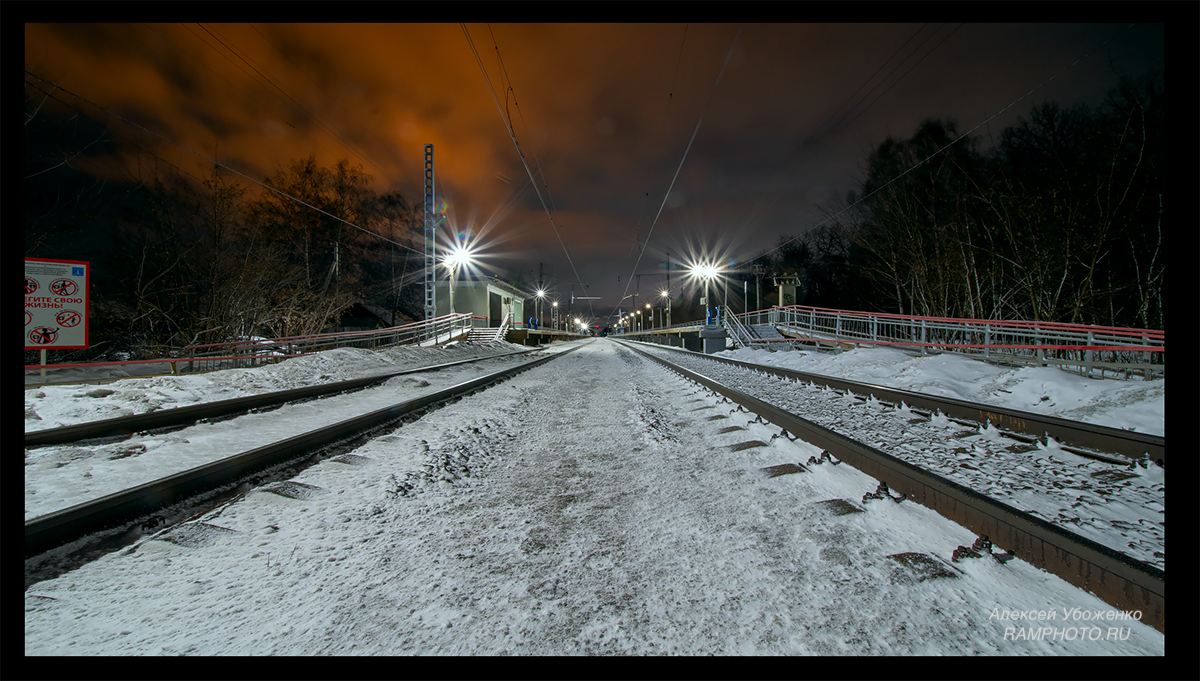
(31, 285)
(28, 318)
(64, 287)
(68, 318)
(43, 335)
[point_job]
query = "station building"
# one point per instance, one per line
(485, 297)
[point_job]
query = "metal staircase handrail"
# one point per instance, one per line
(741, 335)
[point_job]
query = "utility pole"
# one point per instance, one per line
(725, 304)
(668, 290)
(636, 289)
(758, 274)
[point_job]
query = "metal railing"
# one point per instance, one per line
(258, 351)
(1085, 347)
(253, 352)
(738, 333)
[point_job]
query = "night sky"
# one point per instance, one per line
(605, 112)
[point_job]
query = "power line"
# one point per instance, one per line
(106, 129)
(512, 134)
(536, 161)
(667, 195)
(331, 98)
(671, 91)
(209, 45)
(927, 158)
(814, 139)
(233, 170)
(897, 81)
(228, 44)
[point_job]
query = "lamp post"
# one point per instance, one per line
(650, 316)
(554, 314)
(541, 295)
(713, 337)
(706, 272)
(459, 256)
(667, 294)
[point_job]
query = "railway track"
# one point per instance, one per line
(178, 496)
(559, 512)
(178, 417)
(926, 465)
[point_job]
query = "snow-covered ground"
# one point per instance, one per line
(61, 476)
(66, 404)
(596, 504)
(1133, 405)
(1119, 506)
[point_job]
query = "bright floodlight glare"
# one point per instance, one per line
(541, 293)
(459, 256)
(664, 293)
(705, 271)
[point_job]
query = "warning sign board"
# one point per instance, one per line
(56, 304)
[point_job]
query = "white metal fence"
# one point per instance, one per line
(1088, 348)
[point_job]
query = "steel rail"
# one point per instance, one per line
(1079, 434)
(126, 425)
(120, 508)
(1119, 580)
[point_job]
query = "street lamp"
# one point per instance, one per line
(554, 314)
(667, 294)
(650, 315)
(459, 256)
(707, 272)
(541, 295)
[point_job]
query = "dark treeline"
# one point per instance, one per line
(1059, 220)
(179, 260)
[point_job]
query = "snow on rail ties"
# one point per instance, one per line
(1119, 506)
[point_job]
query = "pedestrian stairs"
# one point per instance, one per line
(765, 331)
(485, 335)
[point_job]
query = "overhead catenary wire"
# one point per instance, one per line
(218, 163)
(667, 195)
(536, 161)
(512, 134)
(671, 91)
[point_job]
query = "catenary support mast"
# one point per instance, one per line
(430, 238)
